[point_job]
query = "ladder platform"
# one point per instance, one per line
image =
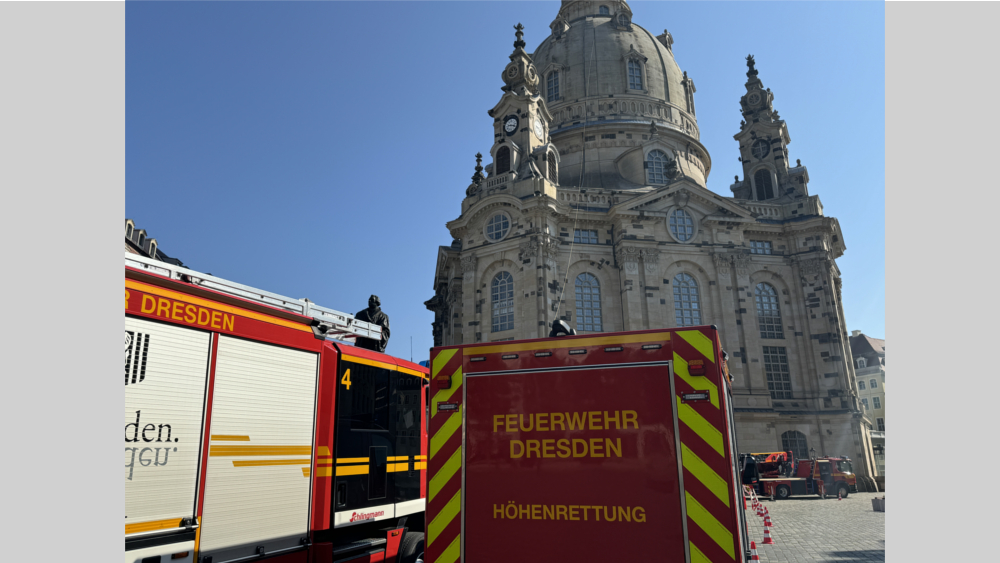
(340, 326)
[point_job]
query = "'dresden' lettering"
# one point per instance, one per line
(562, 422)
(184, 312)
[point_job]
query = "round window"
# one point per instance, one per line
(681, 225)
(497, 227)
(760, 148)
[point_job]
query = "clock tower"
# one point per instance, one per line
(521, 150)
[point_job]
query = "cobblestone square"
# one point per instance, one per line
(808, 528)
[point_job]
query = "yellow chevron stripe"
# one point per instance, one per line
(708, 477)
(449, 427)
(450, 555)
(699, 342)
(445, 394)
(696, 555)
(701, 427)
(447, 471)
(442, 360)
(681, 371)
(443, 518)
(708, 524)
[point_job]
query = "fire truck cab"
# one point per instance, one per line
(598, 447)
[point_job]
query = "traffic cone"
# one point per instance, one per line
(753, 552)
(767, 532)
(838, 495)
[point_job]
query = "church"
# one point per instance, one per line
(592, 208)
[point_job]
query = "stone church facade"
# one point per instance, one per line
(593, 208)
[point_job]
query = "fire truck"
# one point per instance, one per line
(598, 447)
(819, 476)
(255, 430)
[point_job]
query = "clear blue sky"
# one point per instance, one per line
(317, 149)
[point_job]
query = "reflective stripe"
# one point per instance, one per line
(710, 525)
(699, 342)
(443, 518)
(453, 423)
(700, 426)
(696, 555)
(708, 477)
(450, 555)
(444, 474)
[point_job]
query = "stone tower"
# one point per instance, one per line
(595, 210)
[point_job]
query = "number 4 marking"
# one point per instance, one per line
(346, 380)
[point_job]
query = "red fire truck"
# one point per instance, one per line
(254, 430)
(609, 447)
(821, 476)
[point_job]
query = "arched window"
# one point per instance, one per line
(768, 314)
(762, 179)
(142, 239)
(552, 169)
(152, 250)
(604, 11)
(553, 86)
(656, 167)
(862, 363)
(502, 294)
(128, 231)
(682, 225)
(687, 311)
(796, 443)
(634, 75)
(588, 303)
(503, 160)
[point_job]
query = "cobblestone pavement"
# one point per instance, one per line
(808, 528)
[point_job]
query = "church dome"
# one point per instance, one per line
(605, 79)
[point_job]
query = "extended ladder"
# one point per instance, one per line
(331, 324)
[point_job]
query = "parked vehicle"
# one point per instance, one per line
(609, 447)
(254, 430)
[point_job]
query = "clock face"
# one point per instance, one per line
(760, 148)
(512, 71)
(539, 131)
(510, 125)
(754, 99)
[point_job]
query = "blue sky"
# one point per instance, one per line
(317, 149)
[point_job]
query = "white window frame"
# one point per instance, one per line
(761, 247)
(876, 402)
(880, 424)
(660, 170)
(862, 364)
(496, 305)
(579, 239)
(861, 385)
(864, 401)
(873, 383)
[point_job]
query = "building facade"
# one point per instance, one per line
(869, 367)
(137, 242)
(593, 208)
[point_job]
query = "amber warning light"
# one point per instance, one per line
(696, 367)
(443, 382)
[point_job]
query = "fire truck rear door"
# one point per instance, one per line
(575, 464)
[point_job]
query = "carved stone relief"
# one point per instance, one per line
(651, 260)
(468, 264)
(628, 258)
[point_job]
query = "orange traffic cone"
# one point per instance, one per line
(767, 521)
(753, 552)
(838, 495)
(767, 532)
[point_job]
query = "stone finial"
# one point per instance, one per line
(478, 177)
(519, 33)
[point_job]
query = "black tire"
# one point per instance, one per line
(782, 492)
(843, 489)
(411, 548)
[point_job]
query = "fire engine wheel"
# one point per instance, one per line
(782, 492)
(411, 549)
(843, 489)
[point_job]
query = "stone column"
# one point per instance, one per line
(652, 289)
(470, 300)
(627, 258)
